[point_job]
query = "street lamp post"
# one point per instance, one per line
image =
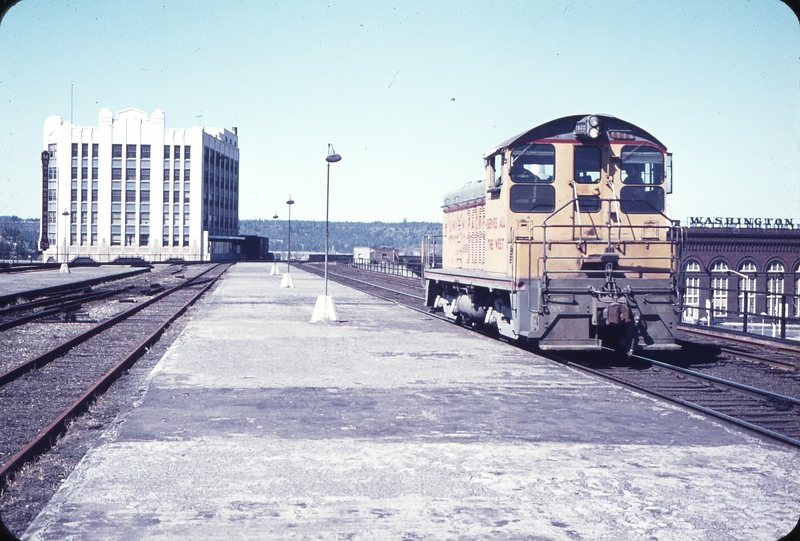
(65, 264)
(332, 158)
(324, 309)
(274, 271)
(287, 278)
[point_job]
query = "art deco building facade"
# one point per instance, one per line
(130, 187)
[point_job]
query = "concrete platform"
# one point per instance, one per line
(258, 424)
(19, 283)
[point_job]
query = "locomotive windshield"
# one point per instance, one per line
(532, 198)
(642, 165)
(587, 165)
(533, 163)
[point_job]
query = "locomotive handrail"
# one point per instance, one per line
(610, 226)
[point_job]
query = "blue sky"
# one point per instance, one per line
(411, 94)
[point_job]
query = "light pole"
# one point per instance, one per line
(332, 158)
(287, 278)
(274, 271)
(65, 264)
(324, 309)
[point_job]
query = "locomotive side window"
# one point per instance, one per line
(641, 199)
(642, 165)
(533, 163)
(532, 198)
(587, 165)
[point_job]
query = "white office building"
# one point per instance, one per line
(132, 188)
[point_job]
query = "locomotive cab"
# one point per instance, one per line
(567, 242)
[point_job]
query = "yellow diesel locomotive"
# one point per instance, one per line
(566, 243)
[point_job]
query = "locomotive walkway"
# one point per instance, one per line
(258, 424)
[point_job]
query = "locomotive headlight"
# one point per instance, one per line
(588, 127)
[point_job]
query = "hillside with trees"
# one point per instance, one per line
(309, 236)
(19, 237)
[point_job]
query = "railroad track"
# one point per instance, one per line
(63, 303)
(769, 413)
(38, 397)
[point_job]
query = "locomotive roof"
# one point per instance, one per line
(563, 128)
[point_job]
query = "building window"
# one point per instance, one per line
(187, 152)
(130, 151)
(95, 150)
(74, 173)
(177, 150)
(116, 173)
(797, 292)
(84, 149)
(94, 173)
(74, 150)
(116, 151)
(719, 289)
(51, 148)
(145, 174)
(186, 174)
(130, 195)
(144, 196)
(130, 173)
(144, 239)
(84, 173)
(747, 284)
(775, 289)
(145, 152)
(166, 174)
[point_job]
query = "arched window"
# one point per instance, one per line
(747, 284)
(775, 289)
(691, 299)
(719, 289)
(797, 292)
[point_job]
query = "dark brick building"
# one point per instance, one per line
(724, 266)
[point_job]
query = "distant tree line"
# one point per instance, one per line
(19, 237)
(309, 236)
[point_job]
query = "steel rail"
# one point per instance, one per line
(60, 349)
(698, 407)
(45, 438)
(681, 401)
(63, 303)
(700, 375)
(315, 271)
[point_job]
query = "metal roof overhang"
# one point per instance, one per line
(222, 237)
(566, 125)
